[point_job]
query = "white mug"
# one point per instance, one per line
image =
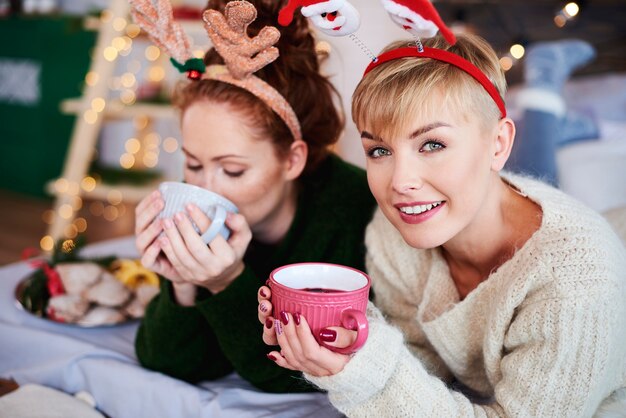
(177, 195)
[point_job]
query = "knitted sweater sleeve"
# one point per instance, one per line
(392, 301)
(556, 365)
(176, 340)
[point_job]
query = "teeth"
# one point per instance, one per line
(416, 210)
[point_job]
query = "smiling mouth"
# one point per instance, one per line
(337, 28)
(419, 209)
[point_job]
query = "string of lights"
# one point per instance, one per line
(141, 151)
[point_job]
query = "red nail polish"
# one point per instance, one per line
(263, 308)
(328, 335)
(296, 318)
(284, 318)
(271, 357)
(269, 323)
(278, 326)
(262, 292)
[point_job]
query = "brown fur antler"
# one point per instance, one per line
(228, 32)
(164, 31)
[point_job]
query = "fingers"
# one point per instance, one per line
(264, 310)
(300, 350)
(146, 201)
(269, 334)
(154, 260)
(220, 255)
(290, 347)
(337, 337)
(174, 248)
(149, 256)
(278, 358)
(147, 210)
(223, 254)
(148, 235)
(198, 217)
(265, 316)
(197, 248)
(240, 232)
(264, 293)
(147, 227)
(330, 362)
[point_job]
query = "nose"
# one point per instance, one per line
(208, 182)
(406, 176)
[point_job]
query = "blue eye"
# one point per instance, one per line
(378, 152)
(432, 146)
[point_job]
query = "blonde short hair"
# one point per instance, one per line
(387, 97)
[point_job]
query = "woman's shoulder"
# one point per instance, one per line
(563, 215)
(574, 243)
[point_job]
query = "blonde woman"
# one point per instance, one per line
(495, 294)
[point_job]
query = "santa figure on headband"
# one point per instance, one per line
(332, 17)
(418, 17)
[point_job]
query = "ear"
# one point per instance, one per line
(296, 160)
(503, 143)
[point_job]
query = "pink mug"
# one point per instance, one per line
(326, 295)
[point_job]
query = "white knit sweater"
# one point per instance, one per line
(543, 336)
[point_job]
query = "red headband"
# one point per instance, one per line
(444, 56)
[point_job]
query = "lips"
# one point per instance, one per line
(418, 212)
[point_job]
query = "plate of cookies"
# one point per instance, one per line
(88, 292)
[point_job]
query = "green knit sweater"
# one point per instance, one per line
(221, 333)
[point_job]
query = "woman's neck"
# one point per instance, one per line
(274, 227)
(504, 225)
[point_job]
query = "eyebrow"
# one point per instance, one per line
(415, 134)
(429, 127)
(187, 153)
(218, 158)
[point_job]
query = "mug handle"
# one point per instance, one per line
(216, 224)
(356, 321)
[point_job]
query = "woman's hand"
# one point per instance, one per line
(213, 266)
(300, 351)
(147, 231)
(148, 227)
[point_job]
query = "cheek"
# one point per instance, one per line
(256, 195)
(193, 177)
(377, 180)
(466, 183)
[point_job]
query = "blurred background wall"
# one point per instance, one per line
(47, 72)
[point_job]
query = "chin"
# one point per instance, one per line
(420, 241)
(420, 237)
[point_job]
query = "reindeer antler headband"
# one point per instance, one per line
(418, 17)
(242, 54)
